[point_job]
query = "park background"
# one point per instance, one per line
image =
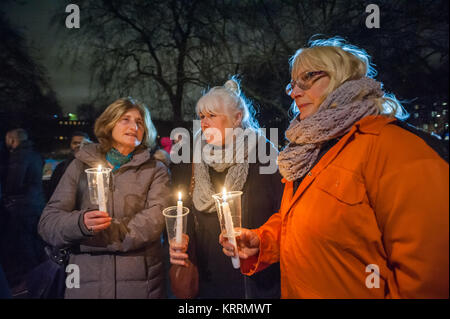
(55, 80)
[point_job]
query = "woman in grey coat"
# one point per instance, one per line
(118, 252)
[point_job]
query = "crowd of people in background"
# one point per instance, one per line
(356, 186)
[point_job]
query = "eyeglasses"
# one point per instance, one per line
(305, 81)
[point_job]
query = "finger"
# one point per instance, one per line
(229, 249)
(227, 252)
(178, 262)
(242, 255)
(99, 221)
(222, 239)
(178, 247)
(94, 223)
(185, 239)
(248, 252)
(179, 256)
(227, 245)
(99, 214)
(97, 228)
(96, 213)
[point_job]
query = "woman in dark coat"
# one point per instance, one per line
(220, 109)
(118, 252)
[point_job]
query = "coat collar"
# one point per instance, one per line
(92, 156)
(372, 124)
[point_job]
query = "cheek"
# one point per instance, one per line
(141, 134)
(115, 131)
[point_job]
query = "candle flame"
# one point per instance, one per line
(224, 194)
(99, 168)
(179, 196)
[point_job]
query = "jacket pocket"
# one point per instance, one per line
(344, 185)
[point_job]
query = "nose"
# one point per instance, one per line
(296, 92)
(134, 126)
(204, 123)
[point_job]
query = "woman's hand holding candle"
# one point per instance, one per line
(177, 251)
(248, 244)
(96, 221)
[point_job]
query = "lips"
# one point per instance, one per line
(303, 105)
(131, 134)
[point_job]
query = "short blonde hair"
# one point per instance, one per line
(342, 62)
(108, 119)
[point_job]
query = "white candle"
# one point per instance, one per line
(100, 190)
(230, 229)
(179, 225)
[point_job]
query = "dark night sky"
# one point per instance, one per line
(32, 17)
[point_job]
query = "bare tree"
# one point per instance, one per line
(161, 49)
(167, 51)
(24, 87)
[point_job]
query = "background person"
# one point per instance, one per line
(22, 201)
(359, 190)
(77, 139)
(118, 251)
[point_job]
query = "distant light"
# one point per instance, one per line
(439, 115)
(444, 103)
(61, 137)
(72, 117)
(55, 116)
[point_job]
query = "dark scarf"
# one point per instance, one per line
(117, 159)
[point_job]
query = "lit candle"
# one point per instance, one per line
(230, 228)
(179, 225)
(100, 190)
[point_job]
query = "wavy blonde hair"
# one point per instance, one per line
(108, 119)
(342, 62)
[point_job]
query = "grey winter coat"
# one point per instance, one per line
(125, 260)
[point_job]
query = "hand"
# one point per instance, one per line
(177, 252)
(96, 221)
(247, 242)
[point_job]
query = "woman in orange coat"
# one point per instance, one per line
(365, 207)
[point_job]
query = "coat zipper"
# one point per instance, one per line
(111, 191)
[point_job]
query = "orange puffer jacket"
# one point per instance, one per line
(370, 220)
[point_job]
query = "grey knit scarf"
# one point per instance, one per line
(215, 158)
(342, 108)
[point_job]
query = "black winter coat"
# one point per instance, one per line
(217, 278)
(22, 201)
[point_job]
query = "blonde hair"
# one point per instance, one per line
(342, 62)
(108, 119)
(228, 100)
